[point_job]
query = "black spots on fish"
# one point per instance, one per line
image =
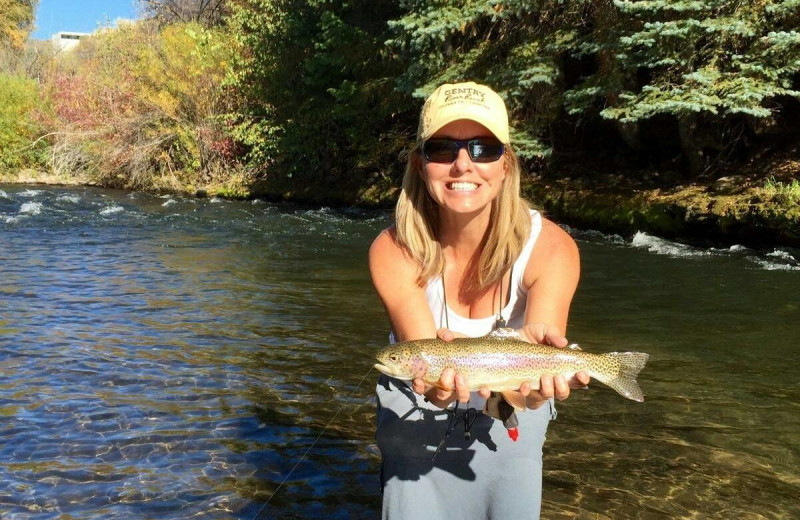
(624, 381)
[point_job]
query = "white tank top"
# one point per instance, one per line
(513, 312)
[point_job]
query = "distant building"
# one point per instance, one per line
(65, 41)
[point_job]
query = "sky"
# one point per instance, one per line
(53, 16)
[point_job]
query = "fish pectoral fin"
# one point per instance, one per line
(515, 399)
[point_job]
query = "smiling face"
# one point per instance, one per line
(464, 186)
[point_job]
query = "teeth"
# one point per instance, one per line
(463, 186)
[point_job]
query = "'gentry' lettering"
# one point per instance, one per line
(467, 94)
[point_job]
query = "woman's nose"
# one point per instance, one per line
(463, 163)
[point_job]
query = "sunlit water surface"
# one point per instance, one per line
(163, 357)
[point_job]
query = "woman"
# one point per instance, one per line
(466, 255)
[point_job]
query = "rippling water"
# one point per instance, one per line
(163, 357)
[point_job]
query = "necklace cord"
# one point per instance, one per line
(500, 322)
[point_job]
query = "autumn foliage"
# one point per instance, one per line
(318, 100)
(142, 107)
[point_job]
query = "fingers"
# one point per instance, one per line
(580, 380)
(462, 388)
(554, 386)
(556, 339)
(444, 390)
(546, 387)
(445, 334)
(451, 386)
(561, 387)
(543, 333)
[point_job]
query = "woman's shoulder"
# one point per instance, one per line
(387, 254)
(386, 244)
(553, 236)
(554, 249)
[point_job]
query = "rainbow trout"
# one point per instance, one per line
(502, 361)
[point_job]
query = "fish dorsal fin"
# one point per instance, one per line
(504, 333)
(574, 346)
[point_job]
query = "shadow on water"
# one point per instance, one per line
(311, 427)
(163, 357)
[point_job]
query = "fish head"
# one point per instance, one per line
(402, 361)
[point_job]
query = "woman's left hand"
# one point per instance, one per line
(549, 386)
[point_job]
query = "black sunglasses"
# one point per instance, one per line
(480, 150)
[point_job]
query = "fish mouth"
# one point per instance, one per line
(389, 371)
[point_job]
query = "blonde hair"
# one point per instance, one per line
(417, 219)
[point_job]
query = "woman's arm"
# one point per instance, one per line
(551, 278)
(395, 277)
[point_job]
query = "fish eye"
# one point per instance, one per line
(393, 357)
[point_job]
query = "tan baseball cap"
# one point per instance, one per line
(451, 102)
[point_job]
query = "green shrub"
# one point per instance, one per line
(20, 124)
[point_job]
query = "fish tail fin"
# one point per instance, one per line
(624, 381)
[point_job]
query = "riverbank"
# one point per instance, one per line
(29, 176)
(731, 210)
(760, 208)
(757, 204)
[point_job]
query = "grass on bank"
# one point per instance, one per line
(777, 189)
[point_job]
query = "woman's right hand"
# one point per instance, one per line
(450, 386)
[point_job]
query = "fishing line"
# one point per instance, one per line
(291, 471)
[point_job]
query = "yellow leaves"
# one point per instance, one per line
(16, 38)
(167, 102)
(16, 21)
(181, 71)
(176, 71)
(142, 94)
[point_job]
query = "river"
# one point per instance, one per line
(167, 357)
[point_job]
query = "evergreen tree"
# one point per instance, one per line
(516, 46)
(719, 68)
(716, 68)
(335, 87)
